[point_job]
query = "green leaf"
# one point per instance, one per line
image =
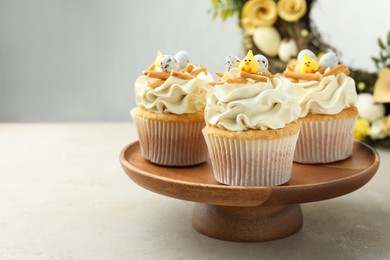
(215, 2)
(226, 8)
(388, 39)
(230, 12)
(215, 14)
(380, 43)
(375, 60)
(224, 14)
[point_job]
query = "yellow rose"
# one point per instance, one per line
(257, 13)
(362, 129)
(291, 10)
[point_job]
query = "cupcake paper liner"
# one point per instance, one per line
(251, 162)
(171, 143)
(325, 141)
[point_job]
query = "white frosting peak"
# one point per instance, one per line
(175, 95)
(329, 96)
(239, 107)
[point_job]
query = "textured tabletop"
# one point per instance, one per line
(63, 195)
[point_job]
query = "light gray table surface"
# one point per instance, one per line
(63, 195)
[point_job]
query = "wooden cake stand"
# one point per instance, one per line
(251, 213)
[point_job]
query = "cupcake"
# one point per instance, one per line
(251, 129)
(171, 97)
(327, 96)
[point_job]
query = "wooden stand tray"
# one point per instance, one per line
(251, 213)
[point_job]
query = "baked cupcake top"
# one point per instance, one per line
(322, 86)
(173, 85)
(249, 97)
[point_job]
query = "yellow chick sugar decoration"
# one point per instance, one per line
(249, 64)
(308, 64)
(308, 52)
(157, 60)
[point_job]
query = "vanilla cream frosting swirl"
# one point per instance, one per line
(329, 96)
(238, 107)
(175, 95)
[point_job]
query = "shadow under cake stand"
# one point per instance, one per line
(238, 213)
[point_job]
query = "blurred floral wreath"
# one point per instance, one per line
(280, 28)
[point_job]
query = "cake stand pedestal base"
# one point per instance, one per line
(261, 223)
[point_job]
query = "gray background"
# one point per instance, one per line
(64, 61)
